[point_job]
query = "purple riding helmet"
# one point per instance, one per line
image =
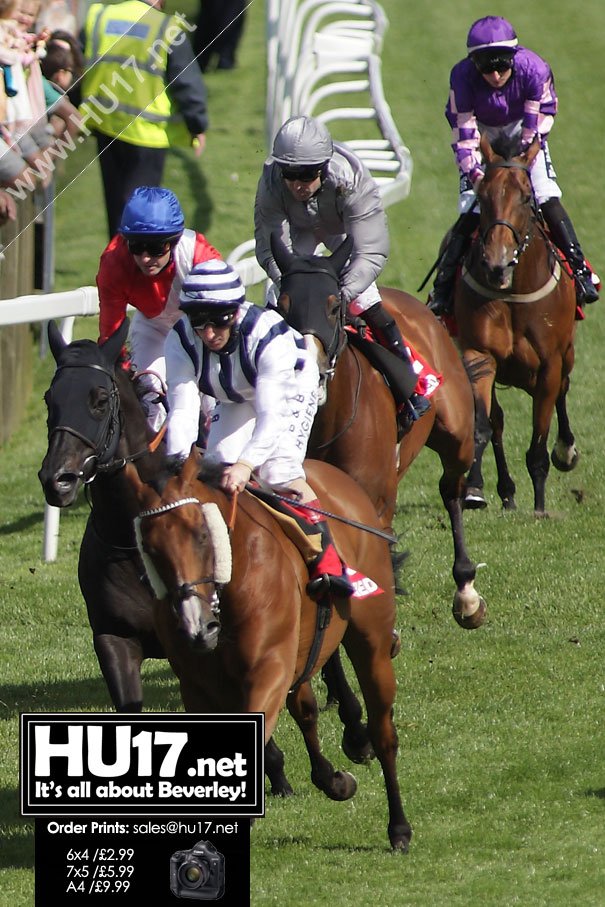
(492, 33)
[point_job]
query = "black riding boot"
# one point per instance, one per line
(387, 333)
(564, 236)
(442, 294)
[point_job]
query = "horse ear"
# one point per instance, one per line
(282, 255)
(144, 494)
(191, 466)
(532, 151)
(112, 347)
(341, 255)
(55, 340)
(486, 149)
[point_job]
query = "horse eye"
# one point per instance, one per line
(98, 402)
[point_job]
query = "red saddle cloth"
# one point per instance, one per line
(428, 380)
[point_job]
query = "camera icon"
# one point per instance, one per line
(199, 873)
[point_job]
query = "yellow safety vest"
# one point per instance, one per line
(124, 87)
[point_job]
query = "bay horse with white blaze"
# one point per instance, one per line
(356, 426)
(515, 308)
(239, 638)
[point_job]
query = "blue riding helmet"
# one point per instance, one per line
(152, 211)
(212, 287)
(491, 33)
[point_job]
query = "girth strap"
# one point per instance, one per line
(322, 622)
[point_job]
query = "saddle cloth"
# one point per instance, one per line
(427, 379)
(307, 538)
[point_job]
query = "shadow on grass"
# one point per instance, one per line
(198, 189)
(17, 851)
(89, 694)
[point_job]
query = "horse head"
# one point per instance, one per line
(508, 211)
(83, 413)
(185, 548)
(310, 298)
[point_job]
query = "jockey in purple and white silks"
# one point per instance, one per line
(254, 368)
(506, 91)
(314, 191)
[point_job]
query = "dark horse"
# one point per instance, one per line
(248, 654)
(356, 427)
(95, 423)
(515, 309)
(95, 426)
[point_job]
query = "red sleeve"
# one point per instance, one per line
(203, 251)
(113, 291)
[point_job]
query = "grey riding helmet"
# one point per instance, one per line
(302, 142)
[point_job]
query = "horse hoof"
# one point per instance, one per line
(509, 504)
(474, 499)
(282, 790)
(400, 839)
(342, 786)
(357, 748)
(469, 621)
(563, 465)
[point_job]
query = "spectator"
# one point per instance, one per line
(220, 24)
(58, 71)
(141, 95)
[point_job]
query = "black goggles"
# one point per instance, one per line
(154, 247)
(300, 175)
(500, 63)
(201, 320)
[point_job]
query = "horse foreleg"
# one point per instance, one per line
(120, 661)
(373, 666)
(564, 455)
(355, 743)
(274, 770)
(505, 487)
(302, 705)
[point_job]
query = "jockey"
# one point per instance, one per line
(315, 191)
(144, 266)
(504, 90)
(256, 370)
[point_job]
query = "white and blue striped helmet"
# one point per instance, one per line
(211, 286)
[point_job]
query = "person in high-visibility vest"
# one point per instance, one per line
(142, 93)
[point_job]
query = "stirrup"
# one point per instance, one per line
(328, 584)
(586, 292)
(418, 405)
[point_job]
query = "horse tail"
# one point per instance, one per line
(477, 369)
(398, 559)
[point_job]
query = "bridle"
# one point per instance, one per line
(105, 444)
(338, 339)
(107, 439)
(186, 590)
(521, 241)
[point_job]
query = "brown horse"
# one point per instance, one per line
(249, 655)
(356, 427)
(515, 308)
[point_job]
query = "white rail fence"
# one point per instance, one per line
(323, 60)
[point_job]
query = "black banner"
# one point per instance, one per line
(149, 806)
(146, 764)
